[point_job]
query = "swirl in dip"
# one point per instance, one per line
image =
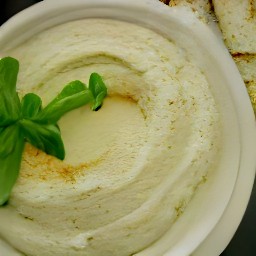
(130, 168)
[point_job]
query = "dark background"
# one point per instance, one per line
(244, 241)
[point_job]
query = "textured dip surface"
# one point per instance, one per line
(133, 166)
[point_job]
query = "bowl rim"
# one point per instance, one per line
(247, 127)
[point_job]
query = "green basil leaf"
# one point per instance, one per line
(9, 99)
(73, 96)
(31, 105)
(7, 140)
(10, 166)
(69, 90)
(45, 137)
(98, 89)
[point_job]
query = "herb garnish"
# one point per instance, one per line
(27, 121)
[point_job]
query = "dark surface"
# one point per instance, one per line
(244, 241)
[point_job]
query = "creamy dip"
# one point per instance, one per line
(130, 168)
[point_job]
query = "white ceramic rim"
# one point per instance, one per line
(243, 108)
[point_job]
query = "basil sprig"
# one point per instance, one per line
(27, 120)
(9, 100)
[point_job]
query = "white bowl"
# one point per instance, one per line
(238, 160)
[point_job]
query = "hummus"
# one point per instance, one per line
(130, 168)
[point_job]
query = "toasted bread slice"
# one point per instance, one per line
(237, 20)
(202, 8)
(246, 64)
